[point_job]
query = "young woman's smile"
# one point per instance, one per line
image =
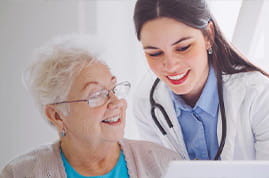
(178, 79)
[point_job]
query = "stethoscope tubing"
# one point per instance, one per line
(155, 105)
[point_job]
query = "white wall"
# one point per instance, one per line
(226, 18)
(247, 30)
(25, 26)
(250, 31)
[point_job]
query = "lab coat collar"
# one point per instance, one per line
(162, 95)
(230, 90)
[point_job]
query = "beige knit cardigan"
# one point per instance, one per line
(144, 160)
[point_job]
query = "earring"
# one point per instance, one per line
(63, 133)
(210, 50)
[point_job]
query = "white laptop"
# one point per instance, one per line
(218, 169)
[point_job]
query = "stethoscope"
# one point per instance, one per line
(173, 141)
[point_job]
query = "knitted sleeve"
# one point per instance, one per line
(149, 160)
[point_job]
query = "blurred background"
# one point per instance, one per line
(27, 24)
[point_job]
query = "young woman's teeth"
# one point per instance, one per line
(176, 77)
(113, 119)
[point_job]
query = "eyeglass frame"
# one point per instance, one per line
(108, 93)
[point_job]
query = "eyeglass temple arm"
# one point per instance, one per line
(73, 101)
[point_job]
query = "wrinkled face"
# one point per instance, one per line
(94, 124)
(177, 54)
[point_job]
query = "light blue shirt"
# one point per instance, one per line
(199, 124)
(120, 170)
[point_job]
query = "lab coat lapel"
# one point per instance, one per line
(162, 96)
(232, 108)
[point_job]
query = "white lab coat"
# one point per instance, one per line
(246, 100)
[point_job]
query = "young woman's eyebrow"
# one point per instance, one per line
(150, 47)
(180, 40)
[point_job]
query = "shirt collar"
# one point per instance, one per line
(208, 101)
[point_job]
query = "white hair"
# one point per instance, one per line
(58, 62)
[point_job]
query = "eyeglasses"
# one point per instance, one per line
(100, 97)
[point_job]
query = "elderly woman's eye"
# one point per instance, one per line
(184, 48)
(98, 94)
(155, 54)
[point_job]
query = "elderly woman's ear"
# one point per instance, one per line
(54, 116)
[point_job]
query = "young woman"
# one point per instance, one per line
(208, 101)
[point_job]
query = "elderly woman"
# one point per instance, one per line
(82, 99)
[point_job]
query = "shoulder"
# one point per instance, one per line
(41, 152)
(248, 93)
(147, 159)
(246, 79)
(141, 95)
(33, 160)
(246, 84)
(142, 88)
(145, 148)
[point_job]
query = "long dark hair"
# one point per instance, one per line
(196, 14)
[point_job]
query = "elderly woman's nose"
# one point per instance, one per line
(115, 103)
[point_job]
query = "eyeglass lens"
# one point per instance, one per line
(120, 91)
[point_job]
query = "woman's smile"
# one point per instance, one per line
(178, 79)
(113, 121)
